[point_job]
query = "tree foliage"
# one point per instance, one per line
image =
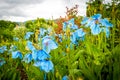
(6, 28)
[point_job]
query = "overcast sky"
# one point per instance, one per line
(22, 10)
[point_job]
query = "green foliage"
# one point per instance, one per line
(11, 70)
(19, 32)
(6, 28)
(39, 22)
(110, 70)
(7, 24)
(29, 24)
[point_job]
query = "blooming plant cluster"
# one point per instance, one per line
(39, 53)
(97, 24)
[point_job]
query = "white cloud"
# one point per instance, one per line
(45, 9)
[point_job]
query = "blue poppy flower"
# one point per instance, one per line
(30, 45)
(41, 54)
(69, 24)
(27, 58)
(2, 61)
(42, 32)
(77, 35)
(72, 24)
(34, 54)
(16, 54)
(3, 49)
(95, 22)
(44, 65)
(28, 34)
(80, 32)
(94, 25)
(48, 44)
(73, 37)
(65, 78)
(91, 21)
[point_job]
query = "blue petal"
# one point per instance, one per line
(3, 49)
(52, 44)
(95, 29)
(16, 54)
(80, 32)
(105, 23)
(46, 65)
(48, 44)
(27, 58)
(90, 23)
(85, 20)
(96, 16)
(64, 26)
(30, 46)
(37, 64)
(65, 78)
(20, 55)
(71, 22)
(73, 38)
(28, 34)
(42, 32)
(74, 27)
(34, 55)
(106, 30)
(42, 55)
(46, 37)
